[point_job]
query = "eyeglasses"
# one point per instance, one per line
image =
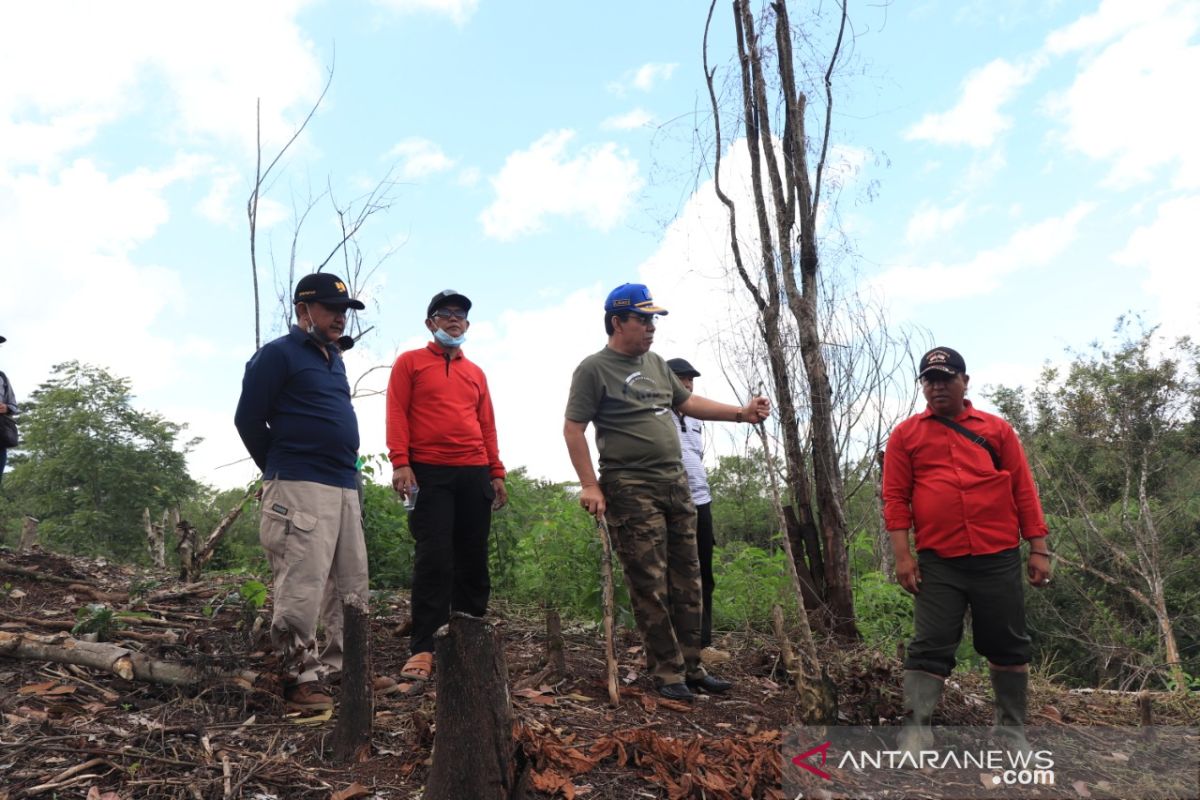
(449, 313)
(644, 319)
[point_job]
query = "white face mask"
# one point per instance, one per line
(312, 331)
(446, 340)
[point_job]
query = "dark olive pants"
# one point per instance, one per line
(992, 586)
(450, 526)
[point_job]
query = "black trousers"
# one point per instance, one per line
(450, 525)
(994, 589)
(704, 546)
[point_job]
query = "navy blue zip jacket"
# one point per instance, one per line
(295, 415)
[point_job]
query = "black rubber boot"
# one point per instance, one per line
(1012, 697)
(921, 693)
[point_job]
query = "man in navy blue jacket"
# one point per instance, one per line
(297, 422)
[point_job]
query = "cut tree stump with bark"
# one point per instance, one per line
(29, 535)
(473, 751)
(352, 736)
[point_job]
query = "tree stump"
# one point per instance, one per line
(29, 535)
(187, 550)
(356, 711)
(473, 750)
(155, 540)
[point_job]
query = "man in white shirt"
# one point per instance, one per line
(691, 442)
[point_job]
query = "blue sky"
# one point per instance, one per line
(1012, 177)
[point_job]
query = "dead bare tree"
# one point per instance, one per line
(783, 277)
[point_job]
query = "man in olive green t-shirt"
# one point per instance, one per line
(628, 392)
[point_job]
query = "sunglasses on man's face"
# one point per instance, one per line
(450, 313)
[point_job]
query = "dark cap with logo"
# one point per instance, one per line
(683, 368)
(632, 297)
(3, 340)
(327, 288)
(447, 297)
(941, 359)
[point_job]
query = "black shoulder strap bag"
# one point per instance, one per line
(8, 426)
(974, 437)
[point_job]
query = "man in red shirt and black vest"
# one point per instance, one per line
(441, 437)
(958, 479)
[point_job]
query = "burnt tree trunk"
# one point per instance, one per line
(473, 751)
(352, 736)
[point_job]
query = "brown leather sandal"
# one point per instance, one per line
(418, 668)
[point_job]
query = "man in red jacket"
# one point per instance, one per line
(441, 437)
(957, 478)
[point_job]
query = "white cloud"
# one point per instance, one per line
(637, 118)
(1127, 104)
(648, 75)
(110, 313)
(644, 78)
(210, 73)
(597, 184)
(1166, 249)
(460, 11)
(216, 206)
(420, 158)
(1033, 246)
(929, 221)
(468, 176)
(976, 119)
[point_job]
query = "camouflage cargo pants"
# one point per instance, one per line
(653, 526)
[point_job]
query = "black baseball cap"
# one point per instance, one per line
(683, 368)
(447, 297)
(941, 359)
(327, 288)
(3, 340)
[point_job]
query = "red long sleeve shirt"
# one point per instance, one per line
(944, 486)
(439, 411)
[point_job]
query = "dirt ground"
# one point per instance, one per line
(77, 732)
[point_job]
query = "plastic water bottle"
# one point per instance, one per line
(410, 502)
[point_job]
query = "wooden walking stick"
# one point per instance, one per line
(614, 695)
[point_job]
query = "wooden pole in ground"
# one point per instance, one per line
(610, 655)
(473, 749)
(356, 711)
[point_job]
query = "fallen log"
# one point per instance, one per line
(166, 637)
(120, 661)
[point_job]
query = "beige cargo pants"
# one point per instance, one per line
(312, 534)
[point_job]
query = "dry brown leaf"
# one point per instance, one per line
(93, 793)
(37, 688)
(1081, 788)
(16, 594)
(1051, 713)
(989, 780)
(579, 698)
(62, 690)
(315, 719)
(352, 791)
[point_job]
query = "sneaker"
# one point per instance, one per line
(711, 655)
(308, 696)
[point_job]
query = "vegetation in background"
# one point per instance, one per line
(89, 462)
(1114, 438)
